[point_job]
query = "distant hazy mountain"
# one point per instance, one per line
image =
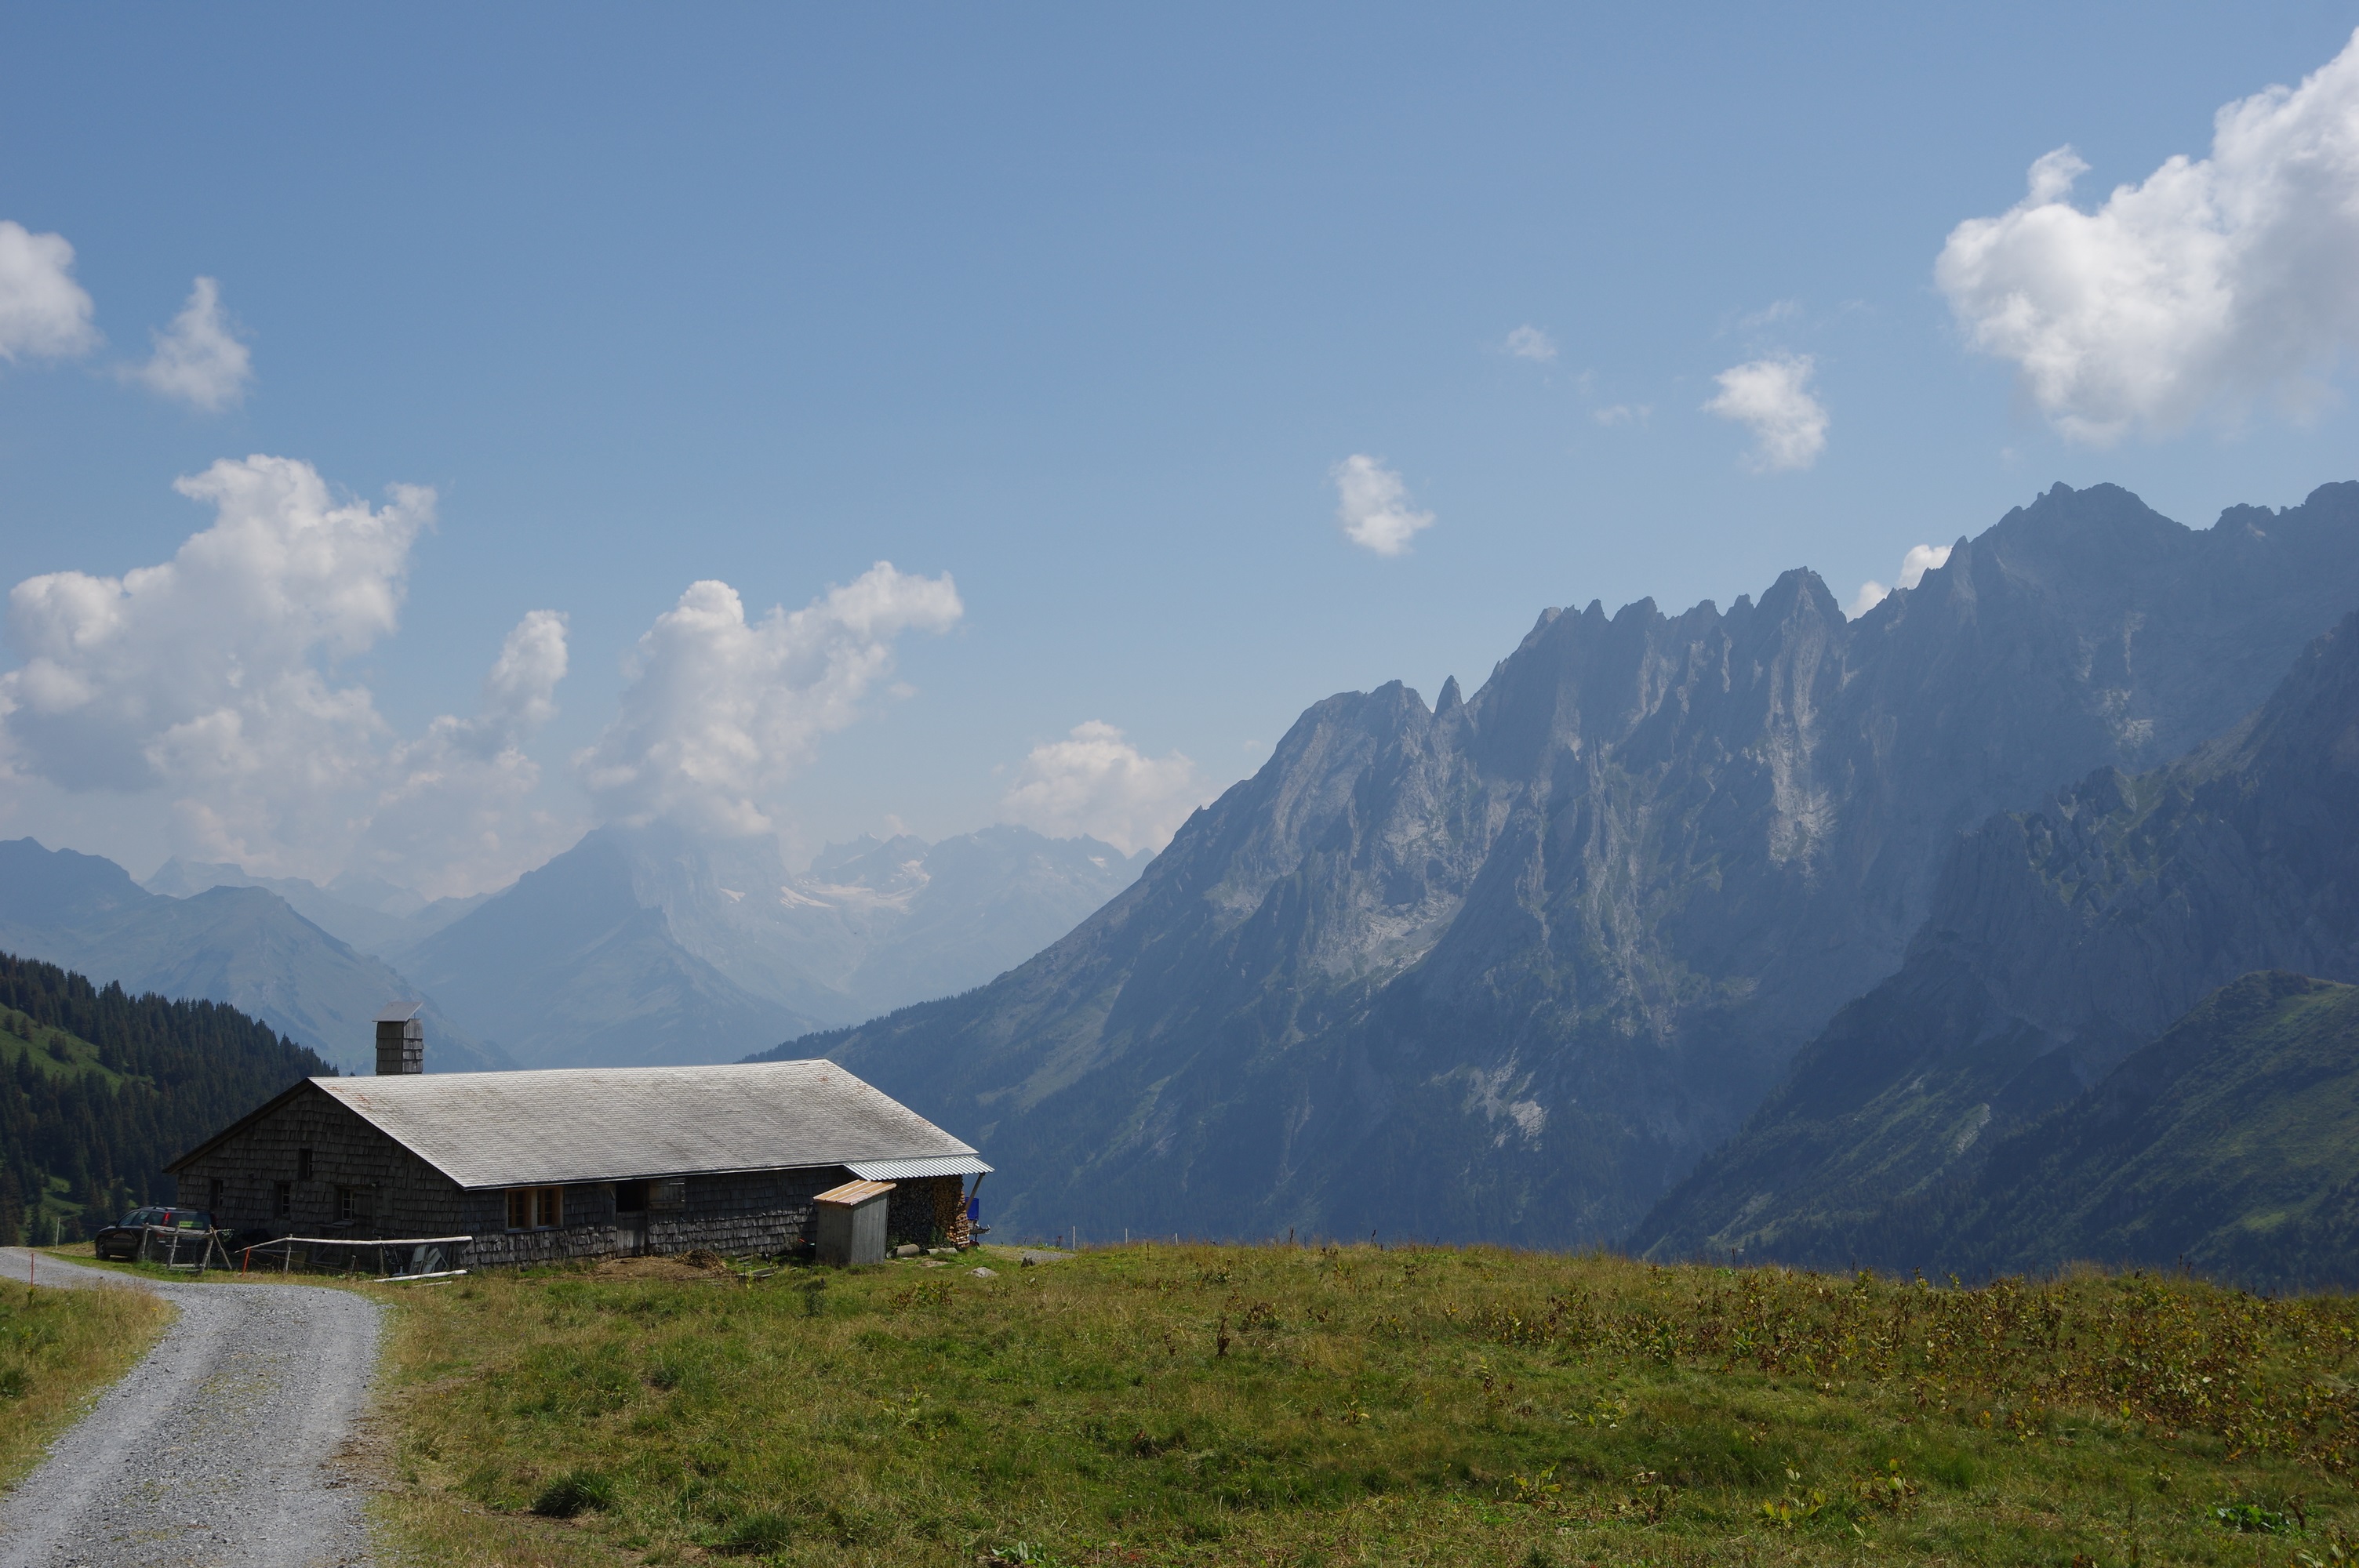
(241, 946)
(1509, 966)
(650, 944)
(367, 913)
(2062, 940)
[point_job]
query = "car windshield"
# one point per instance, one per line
(139, 1217)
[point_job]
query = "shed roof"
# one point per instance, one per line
(607, 1124)
(851, 1194)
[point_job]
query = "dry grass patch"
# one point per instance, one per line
(57, 1349)
(1284, 1406)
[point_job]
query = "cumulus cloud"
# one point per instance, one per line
(1772, 398)
(1372, 505)
(454, 814)
(719, 711)
(210, 663)
(1097, 783)
(209, 682)
(198, 360)
(2210, 282)
(1528, 342)
(1920, 559)
(44, 313)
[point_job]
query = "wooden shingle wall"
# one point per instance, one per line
(406, 1196)
(736, 1215)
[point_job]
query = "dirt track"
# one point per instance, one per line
(229, 1444)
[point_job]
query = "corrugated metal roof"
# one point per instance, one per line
(924, 1165)
(851, 1194)
(400, 1012)
(607, 1124)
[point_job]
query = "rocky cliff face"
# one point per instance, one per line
(1507, 967)
(2061, 939)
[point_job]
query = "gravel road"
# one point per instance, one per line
(232, 1444)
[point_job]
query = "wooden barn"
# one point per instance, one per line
(579, 1162)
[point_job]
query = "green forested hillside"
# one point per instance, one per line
(98, 1088)
(2230, 1146)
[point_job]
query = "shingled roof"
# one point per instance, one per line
(608, 1124)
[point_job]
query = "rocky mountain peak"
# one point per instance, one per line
(1616, 886)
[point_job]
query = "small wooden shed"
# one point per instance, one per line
(848, 1222)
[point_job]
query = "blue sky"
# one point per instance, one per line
(1081, 306)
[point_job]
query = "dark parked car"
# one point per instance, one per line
(123, 1240)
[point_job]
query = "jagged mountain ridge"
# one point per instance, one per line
(243, 946)
(652, 944)
(2062, 940)
(1509, 967)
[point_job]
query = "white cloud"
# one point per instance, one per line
(1372, 505)
(2211, 281)
(1772, 397)
(1528, 342)
(212, 661)
(208, 682)
(199, 361)
(719, 711)
(1615, 415)
(44, 313)
(1920, 559)
(1097, 783)
(453, 815)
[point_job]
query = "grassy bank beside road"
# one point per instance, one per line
(1267, 1405)
(57, 1348)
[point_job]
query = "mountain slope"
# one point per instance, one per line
(391, 920)
(99, 1087)
(1509, 967)
(651, 944)
(2064, 938)
(567, 969)
(2231, 1144)
(243, 946)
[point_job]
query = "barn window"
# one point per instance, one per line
(213, 1191)
(536, 1208)
(355, 1204)
(630, 1197)
(282, 1200)
(302, 1164)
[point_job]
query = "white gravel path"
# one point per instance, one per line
(231, 1444)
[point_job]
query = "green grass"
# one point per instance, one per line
(59, 1347)
(80, 1254)
(52, 1052)
(1284, 1406)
